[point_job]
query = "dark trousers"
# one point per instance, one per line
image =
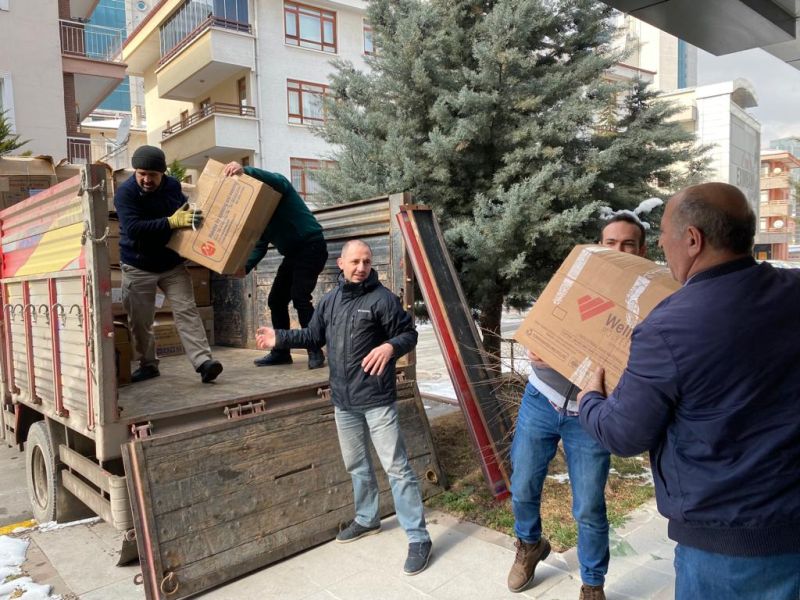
(294, 282)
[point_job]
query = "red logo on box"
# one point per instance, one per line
(591, 307)
(208, 248)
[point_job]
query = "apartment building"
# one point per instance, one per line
(717, 114)
(244, 79)
(778, 207)
(55, 69)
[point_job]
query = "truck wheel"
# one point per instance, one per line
(40, 471)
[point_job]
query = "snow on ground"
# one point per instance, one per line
(14, 584)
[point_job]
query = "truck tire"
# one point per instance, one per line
(40, 473)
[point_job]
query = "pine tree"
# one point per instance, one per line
(9, 141)
(176, 170)
(497, 114)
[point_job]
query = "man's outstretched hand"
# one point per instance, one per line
(265, 338)
(375, 362)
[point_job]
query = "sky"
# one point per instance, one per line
(777, 87)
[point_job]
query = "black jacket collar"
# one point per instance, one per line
(354, 290)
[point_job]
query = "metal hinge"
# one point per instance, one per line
(142, 431)
(247, 409)
(324, 393)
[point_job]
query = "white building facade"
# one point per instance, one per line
(244, 80)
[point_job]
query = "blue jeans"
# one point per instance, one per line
(539, 427)
(355, 427)
(701, 574)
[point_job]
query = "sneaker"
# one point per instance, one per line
(524, 567)
(316, 359)
(355, 531)
(275, 357)
(419, 553)
(144, 373)
(592, 592)
(209, 370)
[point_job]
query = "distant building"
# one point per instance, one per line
(778, 210)
(244, 81)
(55, 69)
(672, 61)
(717, 114)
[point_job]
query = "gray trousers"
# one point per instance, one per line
(139, 300)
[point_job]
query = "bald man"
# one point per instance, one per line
(712, 390)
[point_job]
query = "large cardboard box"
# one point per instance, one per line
(201, 284)
(236, 211)
(585, 316)
(24, 176)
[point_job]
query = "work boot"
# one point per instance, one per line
(316, 359)
(419, 553)
(144, 373)
(209, 370)
(275, 357)
(355, 531)
(592, 592)
(524, 567)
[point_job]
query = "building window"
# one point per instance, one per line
(241, 92)
(310, 27)
(302, 181)
(7, 100)
(369, 43)
(245, 162)
(195, 16)
(306, 101)
(205, 107)
(4, 4)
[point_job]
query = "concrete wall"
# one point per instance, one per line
(30, 65)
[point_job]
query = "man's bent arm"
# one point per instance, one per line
(309, 337)
(636, 415)
(398, 326)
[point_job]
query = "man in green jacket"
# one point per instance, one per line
(297, 236)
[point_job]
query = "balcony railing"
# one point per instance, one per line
(170, 48)
(91, 41)
(217, 108)
(79, 150)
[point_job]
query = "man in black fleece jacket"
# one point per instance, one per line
(150, 205)
(366, 329)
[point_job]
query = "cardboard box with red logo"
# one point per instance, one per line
(585, 316)
(236, 211)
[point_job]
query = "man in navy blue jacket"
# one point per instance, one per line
(150, 205)
(712, 390)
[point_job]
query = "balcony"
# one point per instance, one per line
(213, 53)
(775, 182)
(79, 150)
(774, 209)
(91, 53)
(220, 131)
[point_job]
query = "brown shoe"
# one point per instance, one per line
(524, 567)
(592, 592)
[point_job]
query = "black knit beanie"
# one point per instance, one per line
(149, 158)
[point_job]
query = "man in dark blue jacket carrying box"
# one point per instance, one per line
(712, 390)
(366, 330)
(150, 206)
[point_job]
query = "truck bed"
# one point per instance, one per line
(179, 391)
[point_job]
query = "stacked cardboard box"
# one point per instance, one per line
(23, 176)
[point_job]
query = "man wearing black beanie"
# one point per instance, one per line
(150, 205)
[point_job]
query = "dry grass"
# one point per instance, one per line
(468, 497)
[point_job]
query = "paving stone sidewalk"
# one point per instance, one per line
(469, 562)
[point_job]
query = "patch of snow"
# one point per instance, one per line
(646, 476)
(53, 526)
(442, 387)
(12, 583)
(560, 477)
